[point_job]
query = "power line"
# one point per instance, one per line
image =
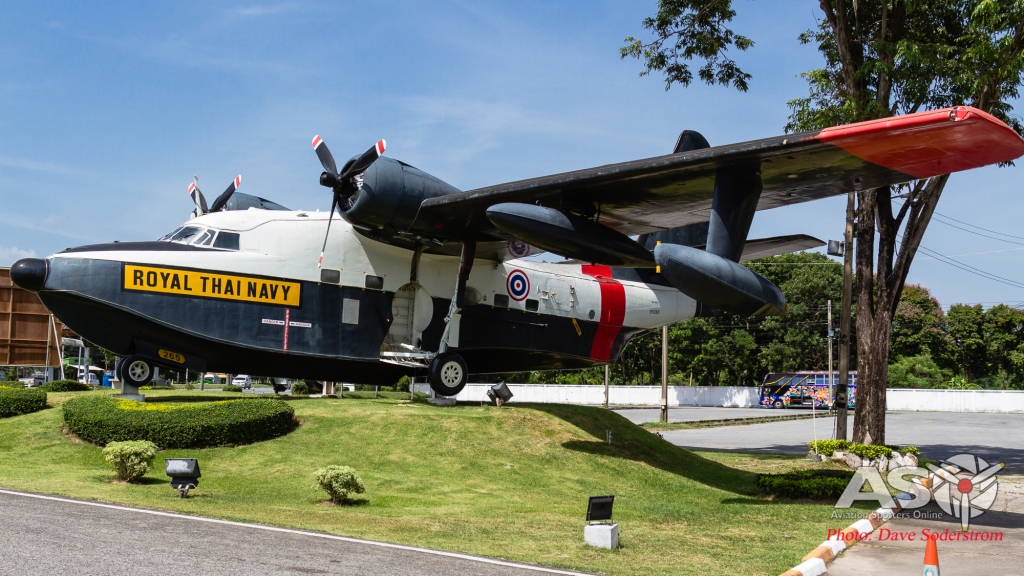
(980, 234)
(978, 227)
(968, 268)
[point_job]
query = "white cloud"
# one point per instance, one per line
(10, 255)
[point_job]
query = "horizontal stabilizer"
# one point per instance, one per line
(765, 247)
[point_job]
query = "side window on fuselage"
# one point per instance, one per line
(227, 241)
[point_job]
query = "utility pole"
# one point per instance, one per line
(844, 323)
(831, 334)
(606, 370)
(664, 373)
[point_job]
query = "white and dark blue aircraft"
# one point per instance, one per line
(419, 278)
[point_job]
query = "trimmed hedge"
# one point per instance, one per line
(806, 484)
(231, 388)
(66, 386)
(869, 451)
(101, 420)
(17, 401)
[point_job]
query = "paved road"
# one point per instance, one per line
(694, 414)
(896, 557)
(939, 435)
(42, 535)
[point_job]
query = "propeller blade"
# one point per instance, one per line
(222, 200)
(364, 161)
(325, 156)
(334, 204)
(198, 198)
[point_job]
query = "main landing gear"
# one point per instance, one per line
(448, 374)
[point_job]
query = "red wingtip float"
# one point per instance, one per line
(931, 143)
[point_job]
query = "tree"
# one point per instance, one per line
(881, 58)
(919, 327)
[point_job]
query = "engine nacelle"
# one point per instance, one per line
(717, 282)
(391, 194)
(568, 235)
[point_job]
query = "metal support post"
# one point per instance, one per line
(606, 369)
(664, 373)
(844, 323)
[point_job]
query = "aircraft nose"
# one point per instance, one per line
(29, 273)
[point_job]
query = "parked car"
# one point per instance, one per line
(32, 381)
(243, 381)
(91, 379)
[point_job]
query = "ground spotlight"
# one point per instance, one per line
(184, 473)
(599, 532)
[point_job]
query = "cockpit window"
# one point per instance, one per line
(186, 234)
(205, 239)
(227, 241)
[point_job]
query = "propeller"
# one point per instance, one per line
(344, 185)
(222, 200)
(198, 198)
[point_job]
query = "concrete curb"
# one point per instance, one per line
(816, 562)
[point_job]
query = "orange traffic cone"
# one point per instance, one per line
(931, 558)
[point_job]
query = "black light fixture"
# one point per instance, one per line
(499, 393)
(184, 473)
(600, 508)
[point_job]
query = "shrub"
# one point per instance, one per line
(11, 384)
(17, 401)
(827, 447)
(300, 388)
(917, 372)
(806, 484)
(873, 451)
(911, 450)
(230, 388)
(339, 482)
(66, 386)
(403, 384)
(130, 460)
(102, 419)
(190, 386)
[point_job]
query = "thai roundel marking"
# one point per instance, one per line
(518, 248)
(518, 285)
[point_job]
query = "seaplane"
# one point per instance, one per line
(407, 275)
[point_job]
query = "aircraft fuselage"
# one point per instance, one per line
(262, 306)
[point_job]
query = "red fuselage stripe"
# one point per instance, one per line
(613, 311)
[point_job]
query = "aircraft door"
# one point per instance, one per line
(412, 310)
(557, 295)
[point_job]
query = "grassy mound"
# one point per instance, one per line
(510, 482)
(101, 420)
(18, 401)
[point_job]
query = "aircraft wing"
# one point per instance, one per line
(668, 191)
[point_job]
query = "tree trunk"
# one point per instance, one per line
(878, 289)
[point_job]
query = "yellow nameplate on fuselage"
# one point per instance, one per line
(205, 284)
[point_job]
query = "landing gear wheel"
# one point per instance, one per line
(448, 374)
(135, 371)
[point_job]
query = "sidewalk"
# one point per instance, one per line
(965, 557)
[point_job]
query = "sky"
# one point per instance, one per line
(107, 111)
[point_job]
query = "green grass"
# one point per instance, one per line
(510, 482)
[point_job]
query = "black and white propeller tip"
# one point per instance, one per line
(222, 200)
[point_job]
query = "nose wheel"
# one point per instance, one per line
(135, 371)
(448, 374)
